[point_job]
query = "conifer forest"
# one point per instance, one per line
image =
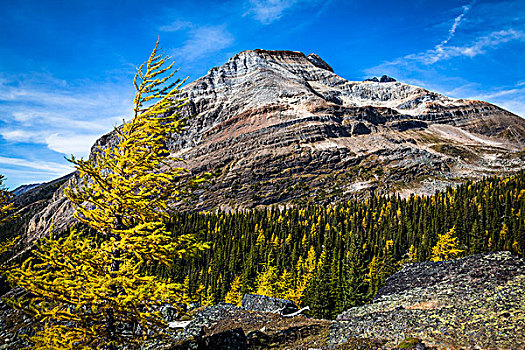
(335, 257)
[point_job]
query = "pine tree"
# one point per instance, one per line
(85, 287)
(353, 287)
(476, 239)
(319, 295)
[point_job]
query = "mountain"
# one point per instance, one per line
(30, 201)
(280, 127)
(24, 188)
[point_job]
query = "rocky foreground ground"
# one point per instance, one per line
(474, 302)
(477, 302)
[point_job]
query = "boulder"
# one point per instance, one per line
(476, 302)
(262, 303)
(168, 312)
(234, 339)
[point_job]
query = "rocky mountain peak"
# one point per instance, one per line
(280, 127)
(276, 62)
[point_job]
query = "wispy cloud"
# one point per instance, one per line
(204, 40)
(176, 26)
(444, 51)
(479, 38)
(418, 61)
(500, 93)
(455, 25)
(477, 47)
(268, 11)
(511, 98)
(53, 168)
(67, 119)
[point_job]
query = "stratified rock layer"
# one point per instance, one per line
(474, 302)
(281, 127)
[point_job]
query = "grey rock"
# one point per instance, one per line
(230, 340)
(318, 62)
(360, 129)
(263, 303)
(463, 302)
(405, 125)
(169, 313)
(386, 79)
(234, 339)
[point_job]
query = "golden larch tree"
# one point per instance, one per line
(6, 205)
(6, 213)
(90, 291)
(234, 295)
(447, 246)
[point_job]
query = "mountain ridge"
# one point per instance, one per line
(280, 127)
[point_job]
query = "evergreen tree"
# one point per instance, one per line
(352, 290)
(84, 288)
(476, 239)
(319, 294)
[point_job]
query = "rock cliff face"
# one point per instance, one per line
(282, 127)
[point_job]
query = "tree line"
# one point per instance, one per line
(332, 258)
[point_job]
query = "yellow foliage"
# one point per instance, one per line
(234, 296)
(70, 280)
(412, 254)
(305, 272)
(266, 281)
(83, 287)
(6, 206)
(447, 247)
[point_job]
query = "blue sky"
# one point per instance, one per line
(66, 66)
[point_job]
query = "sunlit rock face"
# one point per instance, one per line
(280, 127)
